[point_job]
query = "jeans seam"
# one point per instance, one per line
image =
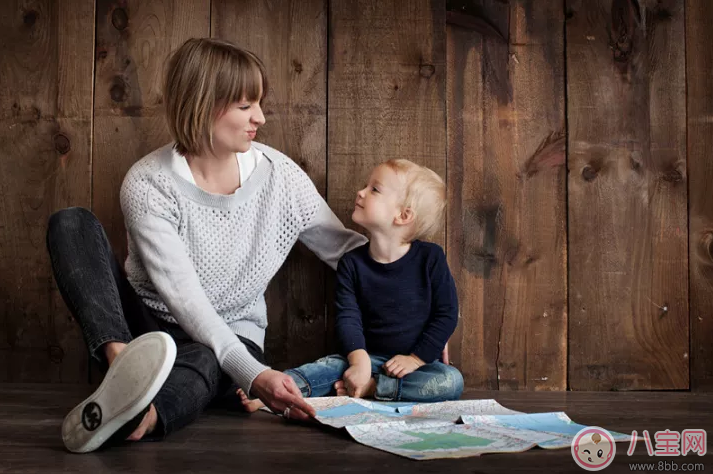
(304, 379)
(98, 232)
(100, 342)
(106, 266)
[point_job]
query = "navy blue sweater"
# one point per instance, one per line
(404, 307)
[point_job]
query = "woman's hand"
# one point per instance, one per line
(402, 365)
(279, 392)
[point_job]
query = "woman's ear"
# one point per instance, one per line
(406, 217)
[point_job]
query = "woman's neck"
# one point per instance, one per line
(216, 173)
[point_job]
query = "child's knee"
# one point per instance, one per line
(334, 360)
(301, 382)
(446, 385)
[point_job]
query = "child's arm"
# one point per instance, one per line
(444, 312)
(350, 331)
(441, 324)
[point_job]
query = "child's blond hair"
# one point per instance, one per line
(424, 194)
(203, 77)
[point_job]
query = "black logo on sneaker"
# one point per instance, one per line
(91, 416)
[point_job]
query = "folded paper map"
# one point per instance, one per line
(447, 429)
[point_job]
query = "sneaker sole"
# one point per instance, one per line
(130, 384)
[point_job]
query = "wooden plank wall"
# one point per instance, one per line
(506, 156)
(699, 80)
(627, 195)
(575, 200)
(46, 90)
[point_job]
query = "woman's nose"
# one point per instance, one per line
(258, 117)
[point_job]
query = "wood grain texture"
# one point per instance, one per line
(46, 79)
(627, 195)
(386, 93)
(506, 180)
(134, 39)
(229, 442)
(291, 39)
(699, 67)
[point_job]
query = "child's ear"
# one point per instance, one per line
(406, 217)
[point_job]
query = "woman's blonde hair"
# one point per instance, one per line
(203, 78)
(424, 194)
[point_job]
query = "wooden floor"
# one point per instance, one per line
(232, 442)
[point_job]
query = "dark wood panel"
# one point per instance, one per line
(134, 38)
(46, 79)
(699, 67)
(627, 195)
(30, 418)
(506, 177)
(291, 39)
(386, 93)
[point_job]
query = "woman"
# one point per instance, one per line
(210, 217)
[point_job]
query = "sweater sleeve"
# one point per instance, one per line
(327, 237)
(350, 331)
(152, 218)
(444, 312)
(323, 233)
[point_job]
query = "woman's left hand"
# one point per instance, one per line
(401, 365)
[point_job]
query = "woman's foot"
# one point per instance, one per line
(250, 406)
(121, 406)
(148, 423)
(369, 391)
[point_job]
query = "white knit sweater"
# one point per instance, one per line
(204, 260)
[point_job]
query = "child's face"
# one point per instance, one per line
(235, 130)
(379, 202)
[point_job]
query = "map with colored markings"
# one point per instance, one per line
(447, 429)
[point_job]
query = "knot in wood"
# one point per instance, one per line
(118, 90)
(589, 173)
(61, 143)
(55, 353)
(426, 70)
(672, 176)
(119, 19)
(30, 17)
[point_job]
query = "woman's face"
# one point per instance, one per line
(234, 131)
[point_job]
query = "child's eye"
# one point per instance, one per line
(374, 189)
(244, 107)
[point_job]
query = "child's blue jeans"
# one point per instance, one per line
(434, 382)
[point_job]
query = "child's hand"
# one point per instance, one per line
(401, 365)
(445, 356)
(357, 379)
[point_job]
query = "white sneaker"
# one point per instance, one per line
(130, 384)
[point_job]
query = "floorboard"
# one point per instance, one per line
(226, 441)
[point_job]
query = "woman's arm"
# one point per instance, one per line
(327, 237)
(171, 271)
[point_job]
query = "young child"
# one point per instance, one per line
(396, 300)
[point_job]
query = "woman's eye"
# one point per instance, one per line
(244, 107)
